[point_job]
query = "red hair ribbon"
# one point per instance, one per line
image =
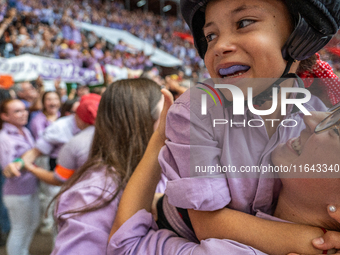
(322, 70)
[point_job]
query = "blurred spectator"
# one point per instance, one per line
(82, 90)
(26, 93)
(69, 107)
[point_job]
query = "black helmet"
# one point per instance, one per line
(316, 21)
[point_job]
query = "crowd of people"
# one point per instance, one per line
(115, 168)
(49, 29)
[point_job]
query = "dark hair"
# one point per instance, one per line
(44, 97)
(3, 108)
(67, 106)
(4, 94)
(307, 64)
(123, 128)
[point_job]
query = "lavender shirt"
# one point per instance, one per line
(56, 135)
(194, 142)
(85, 233)
(39, 123)
(12, 146)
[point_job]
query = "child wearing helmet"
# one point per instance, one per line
(247, 39)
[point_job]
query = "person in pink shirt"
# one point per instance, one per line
(86, 206)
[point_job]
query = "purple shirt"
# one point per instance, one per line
(117, 62)
(193, 141)
(86, 233)
(97, 54)
(76, 35)
(67, 32)
(75, 56)
(140, 235)
(39, 123)
(56, 135)
(12, 146)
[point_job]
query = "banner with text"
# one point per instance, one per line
(28, 67)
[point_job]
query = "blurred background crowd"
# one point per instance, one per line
(48, 28)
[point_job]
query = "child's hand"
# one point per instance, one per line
(168, 101)
(12, 170)
(330, 240)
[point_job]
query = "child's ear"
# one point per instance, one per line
(334, 212)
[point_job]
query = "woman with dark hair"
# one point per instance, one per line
(86, 205)
(50, 113)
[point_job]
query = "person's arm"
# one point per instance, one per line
(268, 236)
(13, 169)
(31, 155)
(142, 184)
(140, 235)
(43, 174)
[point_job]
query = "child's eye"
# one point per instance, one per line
(210, 37)
(244, 23)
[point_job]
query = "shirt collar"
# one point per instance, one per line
(10, 128)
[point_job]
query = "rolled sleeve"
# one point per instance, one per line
(190, 144)
(139, 235)
(43, 146)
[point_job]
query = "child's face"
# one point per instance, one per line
(248, 35)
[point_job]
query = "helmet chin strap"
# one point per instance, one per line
(267, 95)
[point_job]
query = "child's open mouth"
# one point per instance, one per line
(233, 71)
(296, 145)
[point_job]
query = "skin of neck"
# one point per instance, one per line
(305, 201)
(51, 115)
(272, 126)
